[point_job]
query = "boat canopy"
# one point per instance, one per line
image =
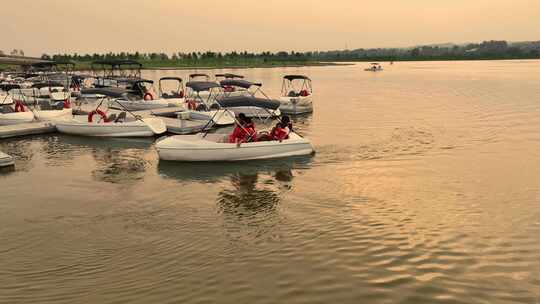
(239, 83)
(117, 62)
(113, 92)
(198, 75)
(28, 75)
(294, 77)
(137, 81)
(171, 78)
(9, 86)
(229, 75)
(199, 86)
(40, 85)
(247, 101)
(43, 64)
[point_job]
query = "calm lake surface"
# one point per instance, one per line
(425, 188)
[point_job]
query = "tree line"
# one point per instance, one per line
(485, 50)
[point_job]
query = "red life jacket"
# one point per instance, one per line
(238, 135)
(279, 133)
(243, 134)
(251, 133)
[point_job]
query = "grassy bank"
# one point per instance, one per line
(213, 64)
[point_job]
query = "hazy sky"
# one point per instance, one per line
(57, 26)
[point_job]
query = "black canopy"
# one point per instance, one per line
(248, 101)
(113, 92)
(198, 75)
(228, 75)
(171, 78)
(293, 77)
(40, 85)
(239, 83)
(43, 64)
(9, 86)
(118, 62)
(137, 81)
(199, 86)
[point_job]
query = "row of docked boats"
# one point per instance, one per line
(129, 106)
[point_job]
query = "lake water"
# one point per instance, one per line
(425, 188)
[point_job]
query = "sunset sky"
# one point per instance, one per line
(58, 26)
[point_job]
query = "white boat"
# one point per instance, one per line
(52, 115)
(178, 88)
(79, 125)
(296, 99)
(141, 96)
(213, 147)
(375, 67)
(12, 118)
(140, 105)
(22, 114)
(191, 122)
(113, 125)
(221, 117)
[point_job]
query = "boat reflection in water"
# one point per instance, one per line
(250, 191)
(21, 151)
(118, 160)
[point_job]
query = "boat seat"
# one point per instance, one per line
(58, 106)
(292, 94)
(121, 117)
(6, 110)
(112, 117)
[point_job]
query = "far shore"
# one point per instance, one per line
(172, 65)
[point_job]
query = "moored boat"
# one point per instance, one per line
(79, 125)
(296, 98)
(119, 124)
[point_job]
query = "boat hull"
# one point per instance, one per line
(53, 115)
(219, 117)
(296, 105)
(194, 148)
(141, 105)
(16, 118)
(255, 112)
(127, 129)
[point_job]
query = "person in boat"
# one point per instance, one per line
(238, 132)
(244, 131)
(249, 126)
(148, 94)
(280, 132)
(282, 129)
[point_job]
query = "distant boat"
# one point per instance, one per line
(375, 67)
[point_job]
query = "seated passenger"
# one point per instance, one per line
(250, 128)
(239, 132)
(280, 132)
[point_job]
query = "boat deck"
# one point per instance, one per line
(182, 127)
(26, 129)
(5, 160)
(167, 112)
